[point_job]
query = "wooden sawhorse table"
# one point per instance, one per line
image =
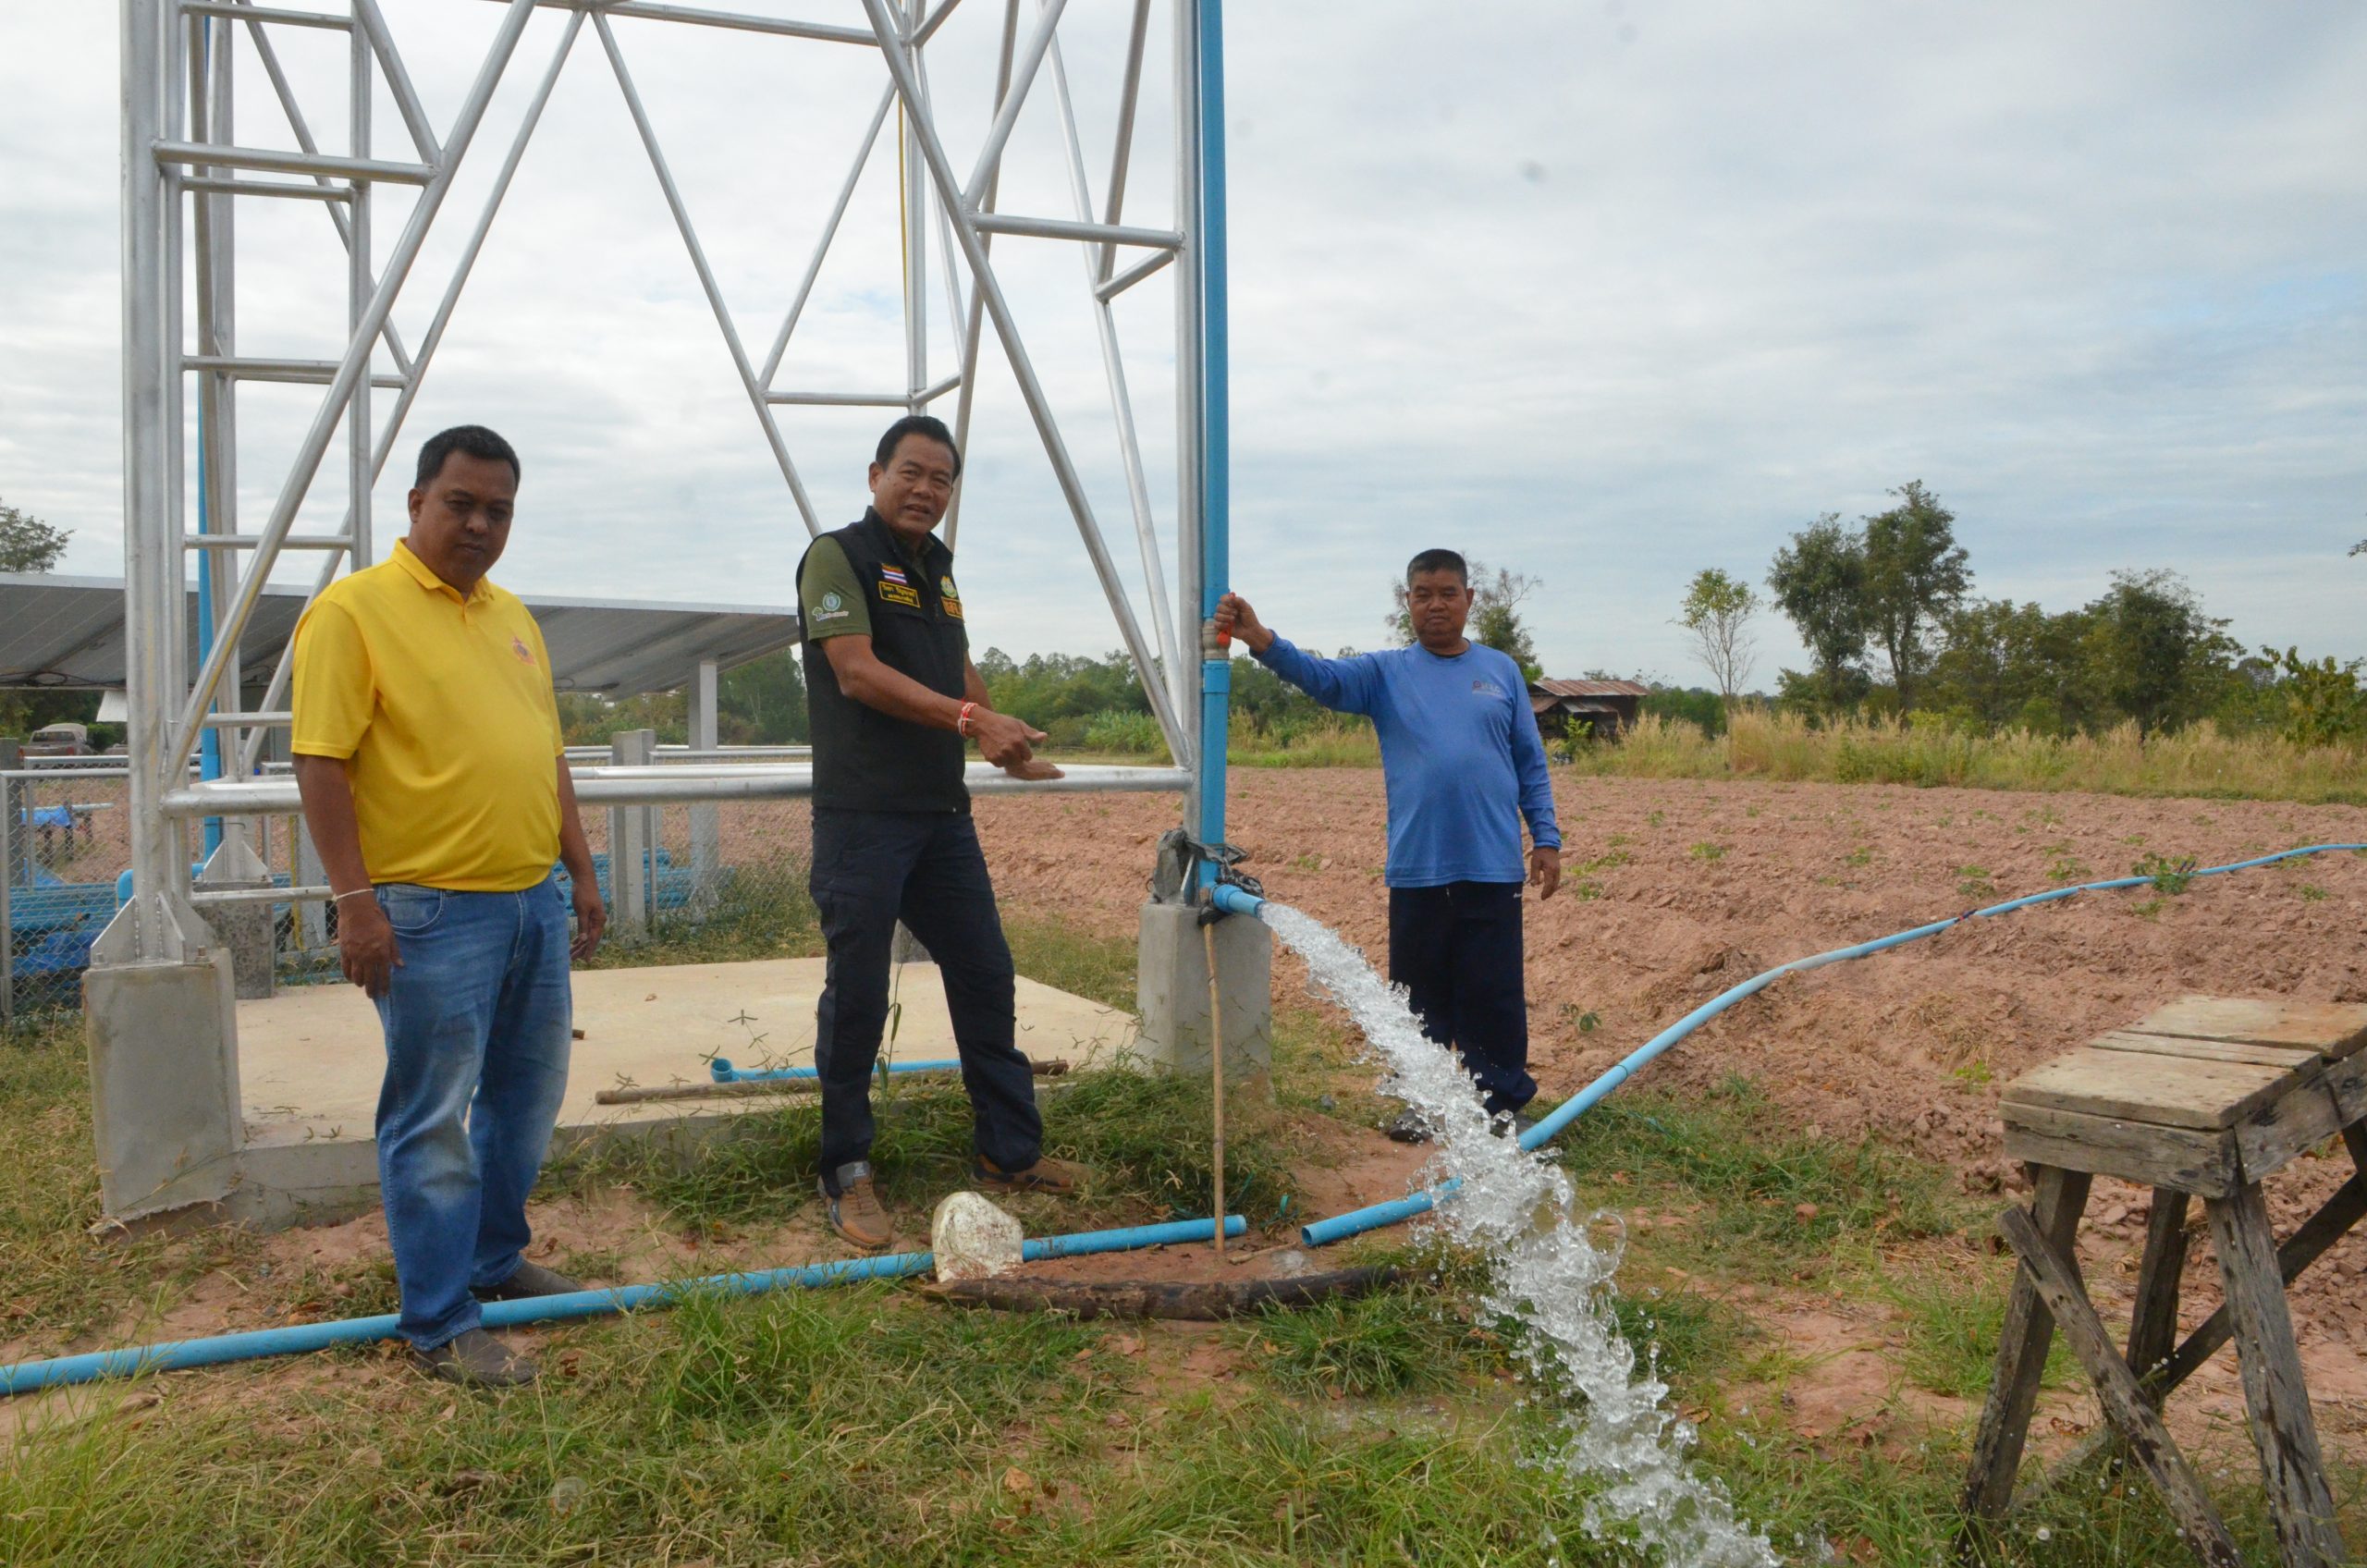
(2201, 1099)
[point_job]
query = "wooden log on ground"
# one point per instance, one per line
(751, 1087)
(1199, 1301)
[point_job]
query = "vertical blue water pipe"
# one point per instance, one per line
(208, 743)
(1216, 456)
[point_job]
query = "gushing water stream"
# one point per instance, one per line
(1548, 1274)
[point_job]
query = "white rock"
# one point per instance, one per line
(972, 1239)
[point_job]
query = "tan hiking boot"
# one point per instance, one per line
(1056, 1177)
(854, 1209)
(474, 1359)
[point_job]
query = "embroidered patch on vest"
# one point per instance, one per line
(894, 589)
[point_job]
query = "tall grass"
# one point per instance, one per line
(2198, 761)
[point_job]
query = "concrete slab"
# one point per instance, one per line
(311, 1057)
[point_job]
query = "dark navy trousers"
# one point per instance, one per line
(872, 868)
(1456, 949)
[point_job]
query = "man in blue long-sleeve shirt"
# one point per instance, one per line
(1460, 754)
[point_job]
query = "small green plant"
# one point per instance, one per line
(2066, 866)
(2311, 892)
(1653, 819)
(1586, 889)
(2170, 877)
(1863, 855)
(1618, 838)
(1587, 1022)
(2149, 910)
(1973, 882)
(1973, 1073)
(1706, 851)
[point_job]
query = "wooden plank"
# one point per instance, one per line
(2299, 1502)
(2291, 1057)
(2187, 1160)
(2304, 1246)
(2301, 1120)
(2170, 1091)
(2021, 1353)
(2124, 1403)
(2153, 1322)
(2332, 1029)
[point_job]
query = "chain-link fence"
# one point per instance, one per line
(64, 841)
(722, 881)
(689, 881)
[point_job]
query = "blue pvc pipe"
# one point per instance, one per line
(1234, 900)
(1340, 1227)
(174, 1355)
(724, 1073)
(1216, 435)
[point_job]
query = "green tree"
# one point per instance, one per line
(1717, 611)
(1916, 574)
(762, 703)
(2321, 700)
(27, 544)
(2009, 665)
(2152, 654)
(1818, 582)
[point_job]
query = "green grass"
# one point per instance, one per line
(2198, 761)
(1954, 1317)
(1385, 1345)
(1771, 1199)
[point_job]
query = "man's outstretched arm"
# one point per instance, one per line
(1344, 685)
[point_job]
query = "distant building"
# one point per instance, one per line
(1600, 708)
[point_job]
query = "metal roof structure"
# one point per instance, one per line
(68, 632)
(1590, 688)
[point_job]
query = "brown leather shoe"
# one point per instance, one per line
(474, 1359)
(854, 1209)
(1056, 1177)
(528, 1281)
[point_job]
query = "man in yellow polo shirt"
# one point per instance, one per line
(428, 753)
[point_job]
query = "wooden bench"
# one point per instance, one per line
(2201, 1099)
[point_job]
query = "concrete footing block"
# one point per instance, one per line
(164, 1045)
(1172, 992)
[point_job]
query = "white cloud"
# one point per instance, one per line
(1606, 293)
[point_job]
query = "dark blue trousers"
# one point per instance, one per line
(1457, 952)
(872, 868)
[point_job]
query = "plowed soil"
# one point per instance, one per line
(1675, 891)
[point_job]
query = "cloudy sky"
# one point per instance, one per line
(1603, 292)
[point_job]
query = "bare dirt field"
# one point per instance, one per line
(1676, 891)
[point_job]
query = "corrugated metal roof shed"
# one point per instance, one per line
(68, 631)
(1591, 688)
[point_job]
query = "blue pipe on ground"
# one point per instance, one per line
(178, 1354)
(724, 1073)
(1339, 1228)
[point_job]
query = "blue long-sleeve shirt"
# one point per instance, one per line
(1459, 751)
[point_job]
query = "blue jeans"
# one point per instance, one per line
(478, 1023)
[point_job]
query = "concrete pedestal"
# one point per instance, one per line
(164, 1047)
(1172, 992)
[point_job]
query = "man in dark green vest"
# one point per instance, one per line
(894, 700)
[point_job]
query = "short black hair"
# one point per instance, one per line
(1438, 560)
(927, 425)
(469, 440)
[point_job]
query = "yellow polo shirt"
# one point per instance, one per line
(442, 708)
